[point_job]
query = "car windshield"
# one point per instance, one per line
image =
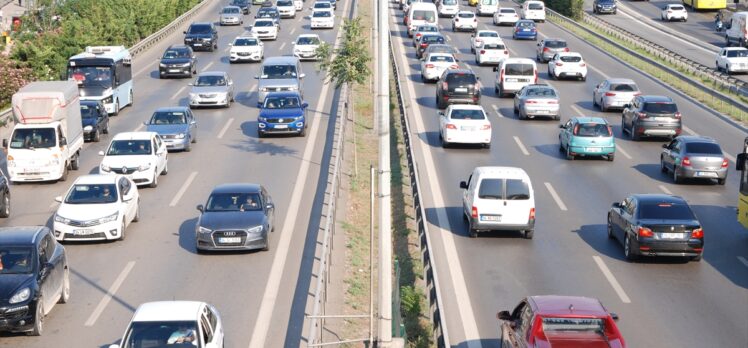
(92, 194)
(535, 6)
(199, 28)
(231, 10)
(307, 40)
(15, 260)
(665, 211)
(279, 72)
(441, 59)
(737, 53)
(168, 117)
(89, 111)
(660, 108)
(460, 79)
(571, 59)
(210, 80)
(493, 46)
(705, 148)
(174, 54)
(623, 87)
(233, 202)
(449, 2)
(491, 189)
(507, 11)
(572, 325)
(521, 69)
(99, 76)
(246, 42)
(159, 334)
(555, 44)
(467, 115)
(592, 130)
(240, 3)
(321, 14)
(284, 3)
(33, 138)
(465, 15)
(129, 147)
(322, 5)
(264, 23)
(424, 15)
(488, 34)
(541, 93)
(282, 102)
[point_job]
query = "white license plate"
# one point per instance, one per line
(511, 80)
(198, 44)
(229, 239)
(525, 29)
(662, 119)
(31, 171)
(174, 70)
(593, 149)
(496, 218)
(83, 232)
(466, 128)
(708, 174)
(461, 90)
(671, 235)
(541, 111)
(280, 126)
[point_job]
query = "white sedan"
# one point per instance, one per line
(265, 28)
(483, 37)
(491, 53)
(305, 46)
(246, 48)
(97, 207)
(465, 21)
(298, 4)
(464, 124)
(323, 19)
(567, 64)
(141, 156)
(674, 11)
(505, 15)
(433, 65)
(732, 59)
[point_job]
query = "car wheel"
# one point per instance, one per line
(584, 78)
(676, 177)
(188, 147)
(516, 110)
(96, 137)
(75, 163)
(719, 182)
(627, 252)
(154, 183)
(136, 218)
(487, 145)
(611, 157)
(696, 258)
(569, 155)
(528, 234)
(38, 327)
(64, 176)
(603, 108)
(302, 133)
(445, 144)
(663, 168)
(594, 101)
(65, 295)
(106, 129)
(166, 168)
(472, 232)
(610, 229)
(560, 145)
(5, 211)
(116, 108)
(267, 244)
(122, 231)
(632, 132)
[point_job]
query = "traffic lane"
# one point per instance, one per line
(700, 24)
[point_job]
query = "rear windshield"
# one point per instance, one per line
(427, 29)
(665, 211)
(555, 44)
(461, 79)
(442, 59)
(677, 8)
(660, 108)
(571, 59)
(623, 87)
(592, 130)
(491, 189)
(230, 10)
(432, 39)
(535, 6)
(467, 115)
(521, 69)
(465, 15)
(706, 148)
(737, 53)
(488, 34)
(493, 46)
(526, 24)
(424, 15)
(573, 325)
(541, 92)
(507, 10)
(449, 2)
(319, 14)
(516, 189)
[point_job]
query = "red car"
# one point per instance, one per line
(560, 321)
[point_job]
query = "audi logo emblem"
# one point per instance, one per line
(229, 233)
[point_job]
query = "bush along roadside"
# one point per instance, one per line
(570, 8)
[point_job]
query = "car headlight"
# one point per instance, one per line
(107, 100)
(255, 230)
(185, 65)
(201, 229)
(61, 219)
(144, 167)
(293, 88)
(109, 218)
(105, 168)
(88, 128)
(261, 119)
(180, 136)
(263, 89)
(162, 65)
(20, 295)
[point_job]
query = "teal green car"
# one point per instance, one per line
(587, 136)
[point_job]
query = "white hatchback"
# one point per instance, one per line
(323, 19)
(465, 21)
(534, 10)
(433, 65)
(487, 7)
(482, 37)
(305, 46)
(246, 48)
(491, 53)
(298, 4)
(674, 11)
(567, 65)
(141, 156)
(97, 207)
(448, 8)
(505, 15)
(464, 124)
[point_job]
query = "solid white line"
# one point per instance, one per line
(179, 91)
(183, 189)
(689, 130)
(225, 128)
(665, 189)
(110, 293)
(730, 157)
(521, 146)
(611, 279)
(622, 151)
(743, 261)
(138, 128)
(283, 45)
(207, 66)
(555, 196)
(496, 109)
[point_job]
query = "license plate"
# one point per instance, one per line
(525, 30)
(593, 149)
(31, 171)
(490, 218)
(174, 70)
(466, 128)
(229, 239)
(511, 80)
(709, 174)
(661, 119)
(541, 111)
(671, 235)
(198, 44)
(461, 90)
(83, 232)
(281, 126)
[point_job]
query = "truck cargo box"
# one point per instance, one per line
(45, 102)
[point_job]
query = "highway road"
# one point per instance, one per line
(260, 295)
(661, 302)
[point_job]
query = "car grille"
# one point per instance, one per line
(99, 235)
(278, 89)
(243, 54)
(12, 313)
(280, 120)
(88, 223)
(210, 95)
(229, 234)
(124, 170)
(168, 136)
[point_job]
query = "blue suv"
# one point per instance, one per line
(282, 113)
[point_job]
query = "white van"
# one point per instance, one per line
(498, 198)
(737, 32)
(514, 73)
(534, 10)
(421, 13)
(487, 7)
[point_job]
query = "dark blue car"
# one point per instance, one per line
(95, 120)
(282, 113)
(525, 29)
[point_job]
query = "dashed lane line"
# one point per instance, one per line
(665, 189)
(109, 294)
(225, 128)
(555, 196)
(496, 110)
(611, 279)
(521, 146)
(179, 91)
(183, 189)
(743, 261)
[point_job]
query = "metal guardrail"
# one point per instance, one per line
(436, 304)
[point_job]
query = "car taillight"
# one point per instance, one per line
(501, 75)
(485, 127)
(641, 115)
(686, 162)
(418, 35)
(559, 64)
(610, 94)
(668, 11)
(506, 52)
(457, 19)
(645, 232)
(532, 214)
(546, 49)
(725, 163)
(451, 126)
(637, 94)
(516, 30)
(424, 45)
(677, 115)
(482, 51)
(536, 76)
(566, 49)
(531, 102)
(582, 65)
(445, 87)
(475, 20)
(697, 233)
(551, 101)
(477, 41)
(454, 66)
(474, 212)
(429, 66)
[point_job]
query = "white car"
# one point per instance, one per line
(464, 21)
(298, 5)
(567, 64)
(491, 53)
(306, 45)
(487, 7)
(448, 8)
(464, 124)
(265, 28)
(97, 207)
(433, 65)
(732, 59)
(482, 37)
(674, 11)
(246, 48)
(174, 323)
(141, 156)
(286, 8)
(323, 19)
(505, 15)
(534, 10)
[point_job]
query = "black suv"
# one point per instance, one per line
(202, 36)
(457, 86)
(426, 40)
(178, 60)
(242, 4)
(651, 116)
(34, 276)
(604, 6)
(95, 120)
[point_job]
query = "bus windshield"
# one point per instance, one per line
(91, 76)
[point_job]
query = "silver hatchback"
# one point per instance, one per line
(547, 48)
(694, 157)
(614, 93)
(537, 100)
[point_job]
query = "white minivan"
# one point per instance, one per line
(737, 30)
(514, 73)
(488, 7)
(498, 198)
(421, 13)
(534, 10)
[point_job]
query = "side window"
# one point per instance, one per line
(469, 180)
(124, 185)
(43, 247)
(155, 145)
(631, 207)
(677, 146)
(49, 245)
(525, 322)
(213, 319)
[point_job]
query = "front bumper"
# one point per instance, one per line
(200, 45)
(245, 56)
(231, 21)
(144, 177)
(218, 100)
(176, 143)
(178, 71)
(216, 241)
(606, 9)
(45, 173)
(18, 317)
(306, 55)
(106, 231)
(295, 127)
(693, 173)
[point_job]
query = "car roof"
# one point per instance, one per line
(212, 73)
(501, 172)
(590, 119)
(465, 107)
(237, 188)
(620, 80)
(231, 6)
(283, 94)
(168, 311)
(171, 109)
(460, 71)
(92, 179)
(658, 197)
(656, 98)
(134, 136)
(280, 60)
(696, 139)
(569, 54)
(18, 235)
(178, 47)
(568, 305)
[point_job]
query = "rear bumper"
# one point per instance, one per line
(702, 174)
(468, 137)
(532, 111)
(652, 247)
(483, 226)
(592, 150)
(653, 130)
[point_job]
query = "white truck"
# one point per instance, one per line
(736, 32)
(48, 135)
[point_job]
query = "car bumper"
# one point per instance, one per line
(18, 317)
(532, 111)
(654, 247)
(606, 10)
(138, 177)
(433, 74)
(287, 14)
(181, 71)
(105, 231)
(325, 25)
(486, 11)
(448, 12)
(212, 242)
(506, 20)
(460, 99)
(281, 128)
(499, 226)
(30, 174)
(305, 55)
(702, 174)
(222, 100)
(252, 57)
(571, 73)
(466, 27)
(738, 67)
(612, 102)
(527, 36)
(176, 144)
(232, 21)
(592, 150)
(468, 137)
(200, 46)
(491, 59)
(657, 130)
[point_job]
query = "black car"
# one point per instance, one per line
(457, 86)
(269, 12)
(235, 217)
(178, 60)
(656, 225)
(242, 4)
(202, 36)
(95, 120)
(4, 196)
(426, 40)
(651, 116)
(34, 276)
(267, 3)
(604, 6)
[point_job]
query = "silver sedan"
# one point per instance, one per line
(212, 88)
(231, 15)
(537, 100)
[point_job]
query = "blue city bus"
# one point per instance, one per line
(103, 73)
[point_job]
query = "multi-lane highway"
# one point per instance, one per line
(661, 302)
(260, 295)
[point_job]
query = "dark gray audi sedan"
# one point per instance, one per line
(236, 217)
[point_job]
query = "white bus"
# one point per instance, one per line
(103, 73)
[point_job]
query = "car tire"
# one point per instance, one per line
(610, 229)
(528, 234)
(663, 168)
(603, 108)
(65, 294)
(166, 168)
(627, 252)
(472, 232)
(188, 147)
(445, 144)
(676, 177)
(594, 101)
(75, 163)
(64, 176)
(516, 110)
(38, 327)
(696, 258)
(106, 129)
(136, 218)
(154, 183)
(557, 117)
(96, 136)
(122, 231)
(5, 211)
(487, 145)
(560, 145)
(584, 78)
(719, 182)
(632, 132)
(116, 108)
(267, 244)
(303, 131)
(569, 155)
(611, 157)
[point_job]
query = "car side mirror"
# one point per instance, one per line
(496, 68)
(190, 84)
(200, 208)
(193, 122)
(305, 105)
(504, 315)
(616, 205)
(231, 83)
(101, 153)
(665, 146)
(561, 126)
(63, 141)
(58, 199)
(145, 123)
(740, 161)
(463, 185)
(257, 77)
(301, 76)
(184, 32)
(269, 206)
(614, 316)
(5, 143)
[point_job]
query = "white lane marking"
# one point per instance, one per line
(254, 87)
(730, 157)
(110, 293)
(207, 66)
(743, 261)
(555, 196)
(689, 130)
(665, 189)
(146, 67)
(611, 279)
(183, 189)
(465, 315)
(449, 38)
(292, 31)
(598, 71)
(179, 91)
(225, 128)
(653, 24)
(138, 128)
(283, 45)
(623, 152)
(496, 109)
(521, 146)
(577, 110)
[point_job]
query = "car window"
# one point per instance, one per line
(199, 29)
(570, 59)
(525, 322)
(129, 147)
(210, 80)
(705, 148)
(660, 108)
(89, 111)
(467, 115)
(461, 79)
(307, 40)
(92, 194)
(161, 334)
(491, 189)
(592, 130)
(206, 329)
(281, 71)
(174, 53)
(677, 8)
(526, 24)
(737, 53)
(322, 14)
(246, 42)
(517, 189)
(535, 6)
(623, 87)
(572, 325)
(521, 69)
(265, 23)
(665, 211)
(226, 202)
(125, 186)
(168, 117)
(230, 10)
(37, 138)
(432, 39)
(16, 260)
(442, 59)
(541, 92)
(555, 44)
(488, 34)
(284, 3)
(273, 102)
(493, 46)
(49, 245)
(465, 15)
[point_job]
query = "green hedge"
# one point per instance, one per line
(570, 8)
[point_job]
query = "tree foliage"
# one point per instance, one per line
(573, 9)
(349, 62)
(12, 77)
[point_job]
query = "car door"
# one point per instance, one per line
(129, 207)
(48, 279)
(192, 124)
(102, 118)
(722, 58)
(467, 195)
(627, 114)
(269, 207)
(566, 133)
(443, 121)
(214, 319)
(628, 218)
(598, 92)
(616, 218)
(670, 153)
(160, 149)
